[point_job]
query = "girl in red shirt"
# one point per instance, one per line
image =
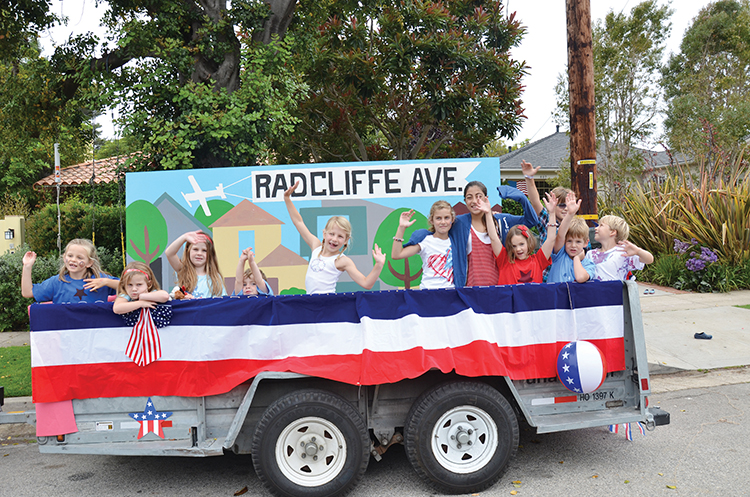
(519, 261)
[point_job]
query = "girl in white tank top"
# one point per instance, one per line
(328, 261)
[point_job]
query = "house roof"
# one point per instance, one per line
(245, 214)
(550, 153)
(80, 174)
(282, 256)
(553, 152)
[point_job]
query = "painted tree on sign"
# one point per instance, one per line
(147, 231)
(405, 273)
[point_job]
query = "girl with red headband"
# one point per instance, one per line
(138, 289)
(519, 261)
(198, 275)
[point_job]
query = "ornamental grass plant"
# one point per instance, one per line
(697, 223)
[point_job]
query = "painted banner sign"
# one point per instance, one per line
(78, 351)
(244, 207)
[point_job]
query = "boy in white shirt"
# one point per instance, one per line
(617, 257)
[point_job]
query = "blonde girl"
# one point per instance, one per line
(519, 261)
(138, 288)
(80, 278)
(327, 260)
(435, 249)
(197, 271)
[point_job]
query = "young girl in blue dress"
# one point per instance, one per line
(80, 278)
(198, 274)
(327, 260)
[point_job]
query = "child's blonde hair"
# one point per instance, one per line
(578, 229)
(519, 230)
(344, 225)
(619, 225)
(94, 271)
(133, 269)
(187, 276)
(440, 204)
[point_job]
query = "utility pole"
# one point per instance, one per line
(582, 111)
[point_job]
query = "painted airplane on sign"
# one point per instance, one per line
(201, 196)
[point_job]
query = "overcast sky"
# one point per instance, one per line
(544, 47)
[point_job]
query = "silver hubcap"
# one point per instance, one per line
(311, 451)
(464, 439)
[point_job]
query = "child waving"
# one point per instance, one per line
(198, 273)
(327, 260)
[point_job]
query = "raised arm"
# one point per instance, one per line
(310, 239)
(174, 247)
(398, 251)
(632, 249)
(529, 217)
(489, 220)
(27, 286)
(367, 282)
(562, 230)
(257, 276)
(239, 273)
(529, 172)
(549, 243)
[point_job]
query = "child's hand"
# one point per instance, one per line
(249, 254)
(379, 256)
(288, 193)
(195, 237)
(628, 248)
(484, 205)
(29, 258)
(145, 304)
(528, 169)
(571, 204)
(93, 284)
(406, 219)
(550, 202)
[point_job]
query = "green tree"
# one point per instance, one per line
(628, 50)
(707, 84)
(404, 80)
(148, 230)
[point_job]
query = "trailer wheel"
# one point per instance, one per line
(310, 443)
(460, 436)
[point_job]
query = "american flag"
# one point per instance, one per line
(521, 185)
(151, 420)
(144, 346)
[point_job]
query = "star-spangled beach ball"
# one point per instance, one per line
(581, 366)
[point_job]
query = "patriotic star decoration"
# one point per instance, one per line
(567, 369)
(151, 420)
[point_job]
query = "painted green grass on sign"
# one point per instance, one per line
(15, 371)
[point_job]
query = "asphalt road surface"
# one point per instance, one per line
(704, 451)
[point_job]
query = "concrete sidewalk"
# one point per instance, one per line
(671, 318)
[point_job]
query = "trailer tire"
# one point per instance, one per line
(310, 443)
(460, 436)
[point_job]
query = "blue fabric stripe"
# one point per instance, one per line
(347, 307)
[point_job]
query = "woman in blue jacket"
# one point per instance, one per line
(473, 259)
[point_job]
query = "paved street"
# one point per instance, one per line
(705, 450)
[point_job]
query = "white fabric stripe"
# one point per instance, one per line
(203, 343)
(543, 402)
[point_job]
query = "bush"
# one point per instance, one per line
(14, 308)
(76, 222)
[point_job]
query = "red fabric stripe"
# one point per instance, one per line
(195, 379)
(569, 398)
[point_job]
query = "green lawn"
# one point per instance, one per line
(15, 371)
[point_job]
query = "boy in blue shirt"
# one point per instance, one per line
(569, 264)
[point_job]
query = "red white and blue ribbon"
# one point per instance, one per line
(144, 346)
(365, 338)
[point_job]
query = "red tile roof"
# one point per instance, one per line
(80, 174)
